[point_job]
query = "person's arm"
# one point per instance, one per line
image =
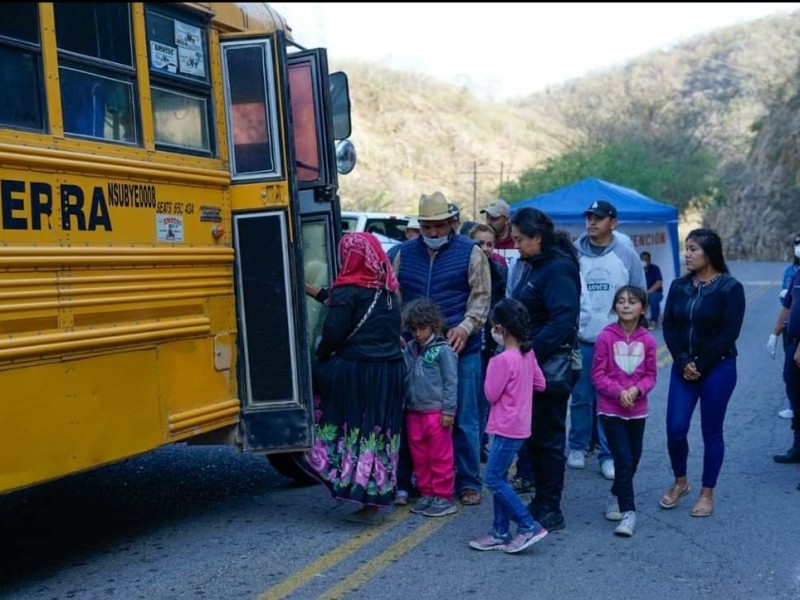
(733, 317)
(338, 323)
(320, 294)
(448, 363)
(671, 329)
(480, 286)
(600, 373)
(496, 376)
(648, 380)
(539, 382)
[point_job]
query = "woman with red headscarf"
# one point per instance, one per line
(359, 378)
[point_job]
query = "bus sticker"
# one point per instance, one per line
(169, 228)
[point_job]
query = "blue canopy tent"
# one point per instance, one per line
(651, 225)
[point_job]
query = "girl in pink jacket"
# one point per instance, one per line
(623, 373)
(511, 378)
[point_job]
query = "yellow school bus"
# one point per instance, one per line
(168, 179)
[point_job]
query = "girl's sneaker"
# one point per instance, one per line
(439, 507)
(489, 542)
(524, 539)
(627, 524)
(421, 505)
(612, 509)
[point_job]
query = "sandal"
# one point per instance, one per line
(703, 508)
(470, 497)
(673, 494)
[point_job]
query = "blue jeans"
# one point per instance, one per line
(713, 390)
(654, 303)
(582, 406)
(625, 438)
(466, 433)
(507, 505)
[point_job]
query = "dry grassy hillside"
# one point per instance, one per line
(414, 134)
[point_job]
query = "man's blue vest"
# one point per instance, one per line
(443, 279)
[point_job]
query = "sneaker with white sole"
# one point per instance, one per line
(786, 413)
(607, 469)
(421, 505)
(440, 507)
(576, 459)
(627, 524)
(612, 509)
(490, 541)
(523, 540)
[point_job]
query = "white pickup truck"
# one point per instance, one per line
(385, 226)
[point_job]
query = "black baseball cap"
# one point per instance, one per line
(602, 209)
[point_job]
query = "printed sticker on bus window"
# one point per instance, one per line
(163, 58)
(169, 228)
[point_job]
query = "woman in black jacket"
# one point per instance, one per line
(702, 319)
(547, 281)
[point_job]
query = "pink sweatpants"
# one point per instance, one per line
(431, 447)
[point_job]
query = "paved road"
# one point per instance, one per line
(187, 522)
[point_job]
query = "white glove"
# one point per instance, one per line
(771, 343)
(783, 294)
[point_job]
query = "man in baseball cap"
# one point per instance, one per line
(601, 209)
(498, 217)
(606, 264)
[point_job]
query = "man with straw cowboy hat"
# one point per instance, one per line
(453, 272)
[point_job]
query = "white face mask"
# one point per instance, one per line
(797, 251)
(435, 243)
(645, 264)
(498, 338)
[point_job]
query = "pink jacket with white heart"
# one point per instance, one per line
(620, 362)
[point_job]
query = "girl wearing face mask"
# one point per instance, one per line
(511, 378)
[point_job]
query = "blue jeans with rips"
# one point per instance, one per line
(713, 391)
(466, 433)
(582, 406)
(506, 503)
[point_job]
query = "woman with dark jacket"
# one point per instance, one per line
(702, 319)
(359, 378)
(547, 282)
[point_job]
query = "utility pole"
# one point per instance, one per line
(474, 172)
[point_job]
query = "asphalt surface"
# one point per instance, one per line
(207, 522)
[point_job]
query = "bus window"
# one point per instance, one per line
(21, 102)
(95, 60)
(249, 84)
(178, 57)
(306, 135)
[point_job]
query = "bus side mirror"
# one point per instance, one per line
(340, 105)
(345, 156)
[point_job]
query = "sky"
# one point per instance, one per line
(503, 50)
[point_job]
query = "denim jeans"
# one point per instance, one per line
(507, 505)
(654, 305)
(582, 406)
(625, 439)
(466, 433)
(713, 390)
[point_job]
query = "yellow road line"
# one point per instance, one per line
(291, 584)
(368, 571)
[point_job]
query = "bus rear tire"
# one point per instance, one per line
(286, 465)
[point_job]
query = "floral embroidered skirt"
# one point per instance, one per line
(357, 431)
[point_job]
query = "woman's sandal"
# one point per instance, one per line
(703, 508)
(673, 495)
